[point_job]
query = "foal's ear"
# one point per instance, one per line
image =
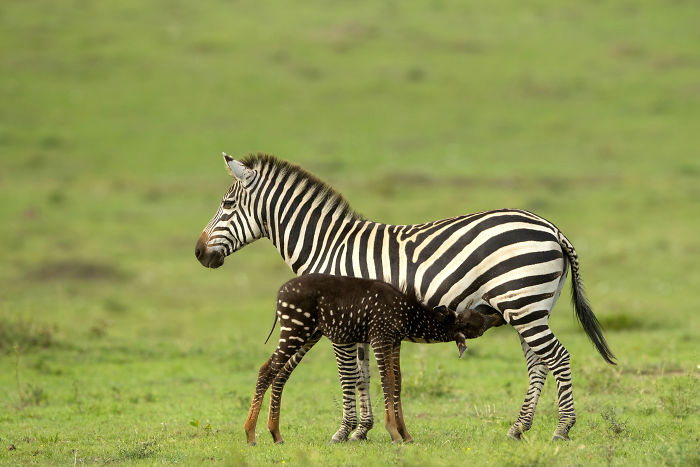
(445, 315)
(237, 170)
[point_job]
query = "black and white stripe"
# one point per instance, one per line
(508, 261)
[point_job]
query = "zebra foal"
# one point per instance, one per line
(350, 310)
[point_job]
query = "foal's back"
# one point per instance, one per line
(346, 310)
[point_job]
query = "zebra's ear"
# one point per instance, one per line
(238, 170)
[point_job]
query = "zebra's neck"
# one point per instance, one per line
(316, 231)
(305, 219)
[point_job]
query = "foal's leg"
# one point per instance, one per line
(348, 372)
(366, 418)
(537, 372)
(273, 421)
(267, 373)
(383, 351)
(398, 411)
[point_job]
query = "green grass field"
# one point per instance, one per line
(116, 346)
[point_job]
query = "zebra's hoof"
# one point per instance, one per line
(515, 434)
(559, 437)
(337, 441)
(358, 438)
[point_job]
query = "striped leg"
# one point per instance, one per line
(348, 372)
(383, 351)
(273, 421)
(547, 347)
(366, 418)
(537, 372)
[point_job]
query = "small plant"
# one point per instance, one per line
(49, 439)
(680, 397)
(26, 334)
(616, 427)
(28, 394)
(207, 429)
(141, 450)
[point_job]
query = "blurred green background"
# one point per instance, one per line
(114, 340)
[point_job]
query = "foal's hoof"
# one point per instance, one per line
(252, 443)
(279, 442)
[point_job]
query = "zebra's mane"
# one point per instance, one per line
(331, 197)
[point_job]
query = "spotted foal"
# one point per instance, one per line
(351, 310)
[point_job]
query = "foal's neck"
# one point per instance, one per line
(425, 325)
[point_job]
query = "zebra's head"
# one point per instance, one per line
(234, 225)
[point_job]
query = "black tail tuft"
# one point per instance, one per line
(587, 318)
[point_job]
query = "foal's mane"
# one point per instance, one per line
(331, 197)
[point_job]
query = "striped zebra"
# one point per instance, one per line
(506, 261)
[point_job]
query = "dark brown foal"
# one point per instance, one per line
(351, 310)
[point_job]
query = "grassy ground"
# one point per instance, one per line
(116, 346)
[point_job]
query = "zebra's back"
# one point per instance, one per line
(481, 259)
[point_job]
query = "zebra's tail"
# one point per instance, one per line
(585, 315)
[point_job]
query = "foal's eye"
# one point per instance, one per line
(228, 204)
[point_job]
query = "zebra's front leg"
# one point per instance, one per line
(348, 372)
(537, 373)
(366, 418)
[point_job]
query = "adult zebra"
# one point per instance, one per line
(506, 261)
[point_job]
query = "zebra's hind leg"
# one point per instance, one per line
(539, 337)
(348, 372)
(366, 418)
(537, 373)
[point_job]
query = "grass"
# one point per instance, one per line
(116, 346)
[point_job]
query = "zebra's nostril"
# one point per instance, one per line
(198, 253)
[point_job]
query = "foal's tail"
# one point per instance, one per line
(583, 309)
(274, 323)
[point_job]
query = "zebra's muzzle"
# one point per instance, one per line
(208, 257)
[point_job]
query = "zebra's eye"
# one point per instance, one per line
(228, 204)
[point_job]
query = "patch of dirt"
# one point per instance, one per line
(75, 270)
(515, 182)
(654, 371)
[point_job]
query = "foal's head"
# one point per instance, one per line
(467, 324)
